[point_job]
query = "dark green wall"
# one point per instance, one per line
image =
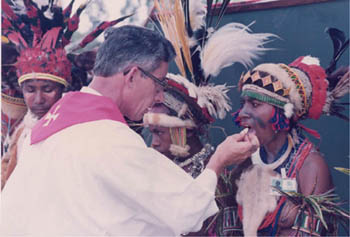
(301, 29)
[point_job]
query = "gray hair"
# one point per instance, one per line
(128, 46)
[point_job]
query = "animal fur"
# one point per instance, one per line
(254, 195)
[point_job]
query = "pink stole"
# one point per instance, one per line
(75, 108)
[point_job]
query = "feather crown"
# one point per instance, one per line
(39, 31)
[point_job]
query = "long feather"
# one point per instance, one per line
(172, 21)
(73, 23)
(331, 106)
(338, 40)
(182, 34)
(167, 22)
(339, 45)
(222, 12)
(68, 11)
(99, 29)
(197, 12)
(230, 44)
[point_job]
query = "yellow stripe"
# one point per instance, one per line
(13, 100)
(43, 76)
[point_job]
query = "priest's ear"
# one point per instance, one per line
(129, 76)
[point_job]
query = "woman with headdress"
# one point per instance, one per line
(39, 32)
(275, 98)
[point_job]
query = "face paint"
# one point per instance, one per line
(258, 121)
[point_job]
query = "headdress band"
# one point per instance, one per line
(264, 95)
(44, 76)
(299, 86)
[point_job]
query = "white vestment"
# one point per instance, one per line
(97, 179)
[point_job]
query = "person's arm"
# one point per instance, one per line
(314, 178)
(156, 189)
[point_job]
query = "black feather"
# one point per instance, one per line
(186, 7)
(340, 44)
(209, 6)
(222, 12)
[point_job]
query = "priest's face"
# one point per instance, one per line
(39, 95)
(255, 115)
(145, 93)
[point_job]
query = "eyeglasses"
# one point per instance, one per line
(163, 82)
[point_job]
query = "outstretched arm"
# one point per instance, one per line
(233, 150)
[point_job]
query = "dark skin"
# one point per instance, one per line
(39, 95)
(313, 177)
(161, 140)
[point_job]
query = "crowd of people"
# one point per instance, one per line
(72, 163)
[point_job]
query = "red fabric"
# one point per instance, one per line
(317, 76)
(75, 108)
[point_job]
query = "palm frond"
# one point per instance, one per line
(344, 170)
(319, 205)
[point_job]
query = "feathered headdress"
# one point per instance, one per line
(38, 32)
(300, 89)
(202, 50)
(303, 88)
(190, 106)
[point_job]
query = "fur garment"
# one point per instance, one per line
(254, 195)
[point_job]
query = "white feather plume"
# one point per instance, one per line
(232, 43)
(192, 88)
(309, 60)
(18, 7)
(215, 99)
(288, 110)
(198, 12)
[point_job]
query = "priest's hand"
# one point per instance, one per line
(233, 150)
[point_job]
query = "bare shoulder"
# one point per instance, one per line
(315, 161)
(314, 175)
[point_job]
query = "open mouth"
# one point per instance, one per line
(248, 128)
